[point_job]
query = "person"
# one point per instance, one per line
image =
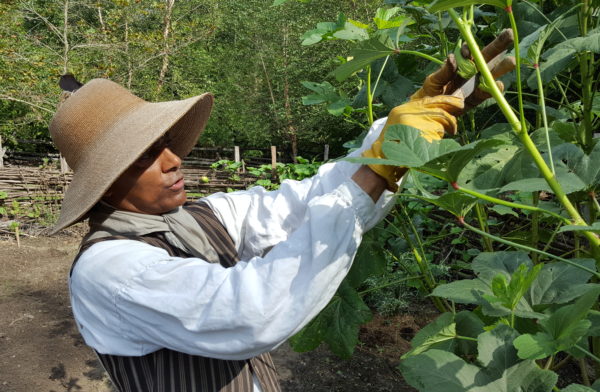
(177, 296)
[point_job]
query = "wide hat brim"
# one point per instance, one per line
(124, 142)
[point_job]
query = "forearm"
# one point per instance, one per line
(370, 182)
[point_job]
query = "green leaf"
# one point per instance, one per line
(405, 145)
(538, 346)
(559, 282)
(557, 58)
(484, 173)
(442, 371)
(504, 210)
(338, 324)
(439, 371)
(468, 291)
(444, 5)
(448, 166)
(495, 355)
(365, 53)
(564, 324)
(457, 203)
(585, 167)
(370, 258)
(441, 330)
(562, 329)
(489, 264)
(577, 388)
(570, 183)
(352, 32)
(595, 227)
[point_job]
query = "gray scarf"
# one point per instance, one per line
(179, 227)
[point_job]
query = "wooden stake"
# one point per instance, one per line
(2, 151)
(326, 153)
(64, 167)
(273, 162)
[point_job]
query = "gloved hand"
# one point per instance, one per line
(446, 80)
(434, 116)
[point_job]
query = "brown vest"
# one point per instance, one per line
(166, 370)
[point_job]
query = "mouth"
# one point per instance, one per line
(177, 185)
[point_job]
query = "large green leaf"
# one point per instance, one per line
(406, 146)
(442, 330)
(577, 388)
(560, 283)
(489, 264)
(352, 32)
(494, 353)
(370, 259)
(444, 5)
(557, 58)
(364, 54)
(569, 182)
(442, 371)
(561, 330)
(338, 324)
(449, 166)
(585, 167)
(484, 172)
(467, 291)
(457, 203)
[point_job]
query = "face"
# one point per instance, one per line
(152, 185)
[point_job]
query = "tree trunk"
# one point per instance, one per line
(291, 129)
(166, 32)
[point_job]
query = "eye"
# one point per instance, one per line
(154, 150)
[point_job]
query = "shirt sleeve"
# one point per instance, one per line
(130, 298)
(257, 219)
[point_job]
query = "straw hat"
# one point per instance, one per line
(102, 128)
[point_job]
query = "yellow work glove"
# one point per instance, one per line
(434, 116)
(446, 79)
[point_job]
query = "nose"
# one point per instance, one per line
(169, 161)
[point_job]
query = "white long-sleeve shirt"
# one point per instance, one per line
(296, 245)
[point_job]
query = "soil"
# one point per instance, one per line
(41, 349)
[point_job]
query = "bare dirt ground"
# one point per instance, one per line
(41, 349)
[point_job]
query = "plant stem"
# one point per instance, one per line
(379, 76)
(485, 72)
(529, 249)
(595, 358)
(584, 372)
(466, 338)
(511, 204)
(369, 97)
(586, 65)
(549, 362)
(535, 227)
(487, 243)
(538, 76)
(513, 25)
(425, 56)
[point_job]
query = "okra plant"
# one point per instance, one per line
(530, 309)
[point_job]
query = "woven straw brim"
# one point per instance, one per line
(124, 142)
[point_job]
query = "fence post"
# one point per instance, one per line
(326, 153)
(64, 167)
(273, 162)
(2, 151)
(237, 158)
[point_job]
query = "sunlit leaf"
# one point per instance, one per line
(364, 54)
(444, 5)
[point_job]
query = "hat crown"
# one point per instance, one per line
(84, 118)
